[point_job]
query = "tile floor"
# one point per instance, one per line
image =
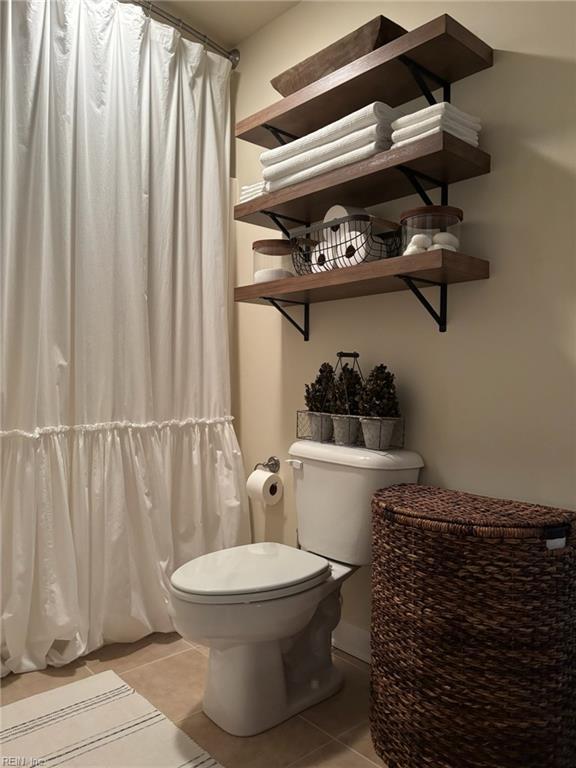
(170, 672)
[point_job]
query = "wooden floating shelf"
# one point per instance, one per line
(443, 47)
(368, 279)
(442, 157)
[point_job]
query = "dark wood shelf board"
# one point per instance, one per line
(368, 279)
(370, 182)
(442, 46)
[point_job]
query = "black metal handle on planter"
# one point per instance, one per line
(354, 355)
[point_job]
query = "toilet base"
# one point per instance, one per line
(246, 704)
(254, 686)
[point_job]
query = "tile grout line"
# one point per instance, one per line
(309, 722)
(332, 738)
(183, 719)
(312, 752)
(147, 663)
(337, 738)
(327, 744)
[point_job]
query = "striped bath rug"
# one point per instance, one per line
(99, 722)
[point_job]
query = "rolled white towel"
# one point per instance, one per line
(329, 165)
(443, 108)
(373, 133)
(378, 112)
(445, 123)
(448, 129)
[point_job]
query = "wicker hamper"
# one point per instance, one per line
(473, 631)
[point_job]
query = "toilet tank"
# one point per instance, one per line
(334, 485)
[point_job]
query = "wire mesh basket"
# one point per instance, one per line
(320, 428)
(344, 243)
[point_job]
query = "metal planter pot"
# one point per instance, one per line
(321, 429)
(377, 432)
(345, 430)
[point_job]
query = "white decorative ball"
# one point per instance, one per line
(420, 241)
(447, 238)
(441, 247)
(413, 249)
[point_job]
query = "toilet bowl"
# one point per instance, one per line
(269, 634)
(267, 611)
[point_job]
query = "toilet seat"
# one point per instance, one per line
(248, 574)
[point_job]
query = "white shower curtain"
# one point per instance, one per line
(119, 459)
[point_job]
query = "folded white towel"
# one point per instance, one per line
(373, 133)
(251, 187)
(246, 198)
(378, 112)
(329, 165)
(443, 108)
(434, 122)
(250, 191)
(432, 132)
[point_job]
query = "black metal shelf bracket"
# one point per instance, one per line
(421, 74)
(275, 218)
(282, 137)
(441, 316)
(414, 179)
(304, 330)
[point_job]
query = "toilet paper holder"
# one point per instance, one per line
(272, 464)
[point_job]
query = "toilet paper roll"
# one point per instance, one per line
(340, 212)
(356, 248)
(321, 258)
(265, 487)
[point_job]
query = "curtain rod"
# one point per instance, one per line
(147, 5)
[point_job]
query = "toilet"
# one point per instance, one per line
(267, 611)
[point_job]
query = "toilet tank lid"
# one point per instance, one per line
(351, 456)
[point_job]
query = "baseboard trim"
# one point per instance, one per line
(353, 640)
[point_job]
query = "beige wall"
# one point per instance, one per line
(490, 404)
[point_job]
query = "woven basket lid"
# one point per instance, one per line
(443, 510)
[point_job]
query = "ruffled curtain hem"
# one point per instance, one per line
(95, 522)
